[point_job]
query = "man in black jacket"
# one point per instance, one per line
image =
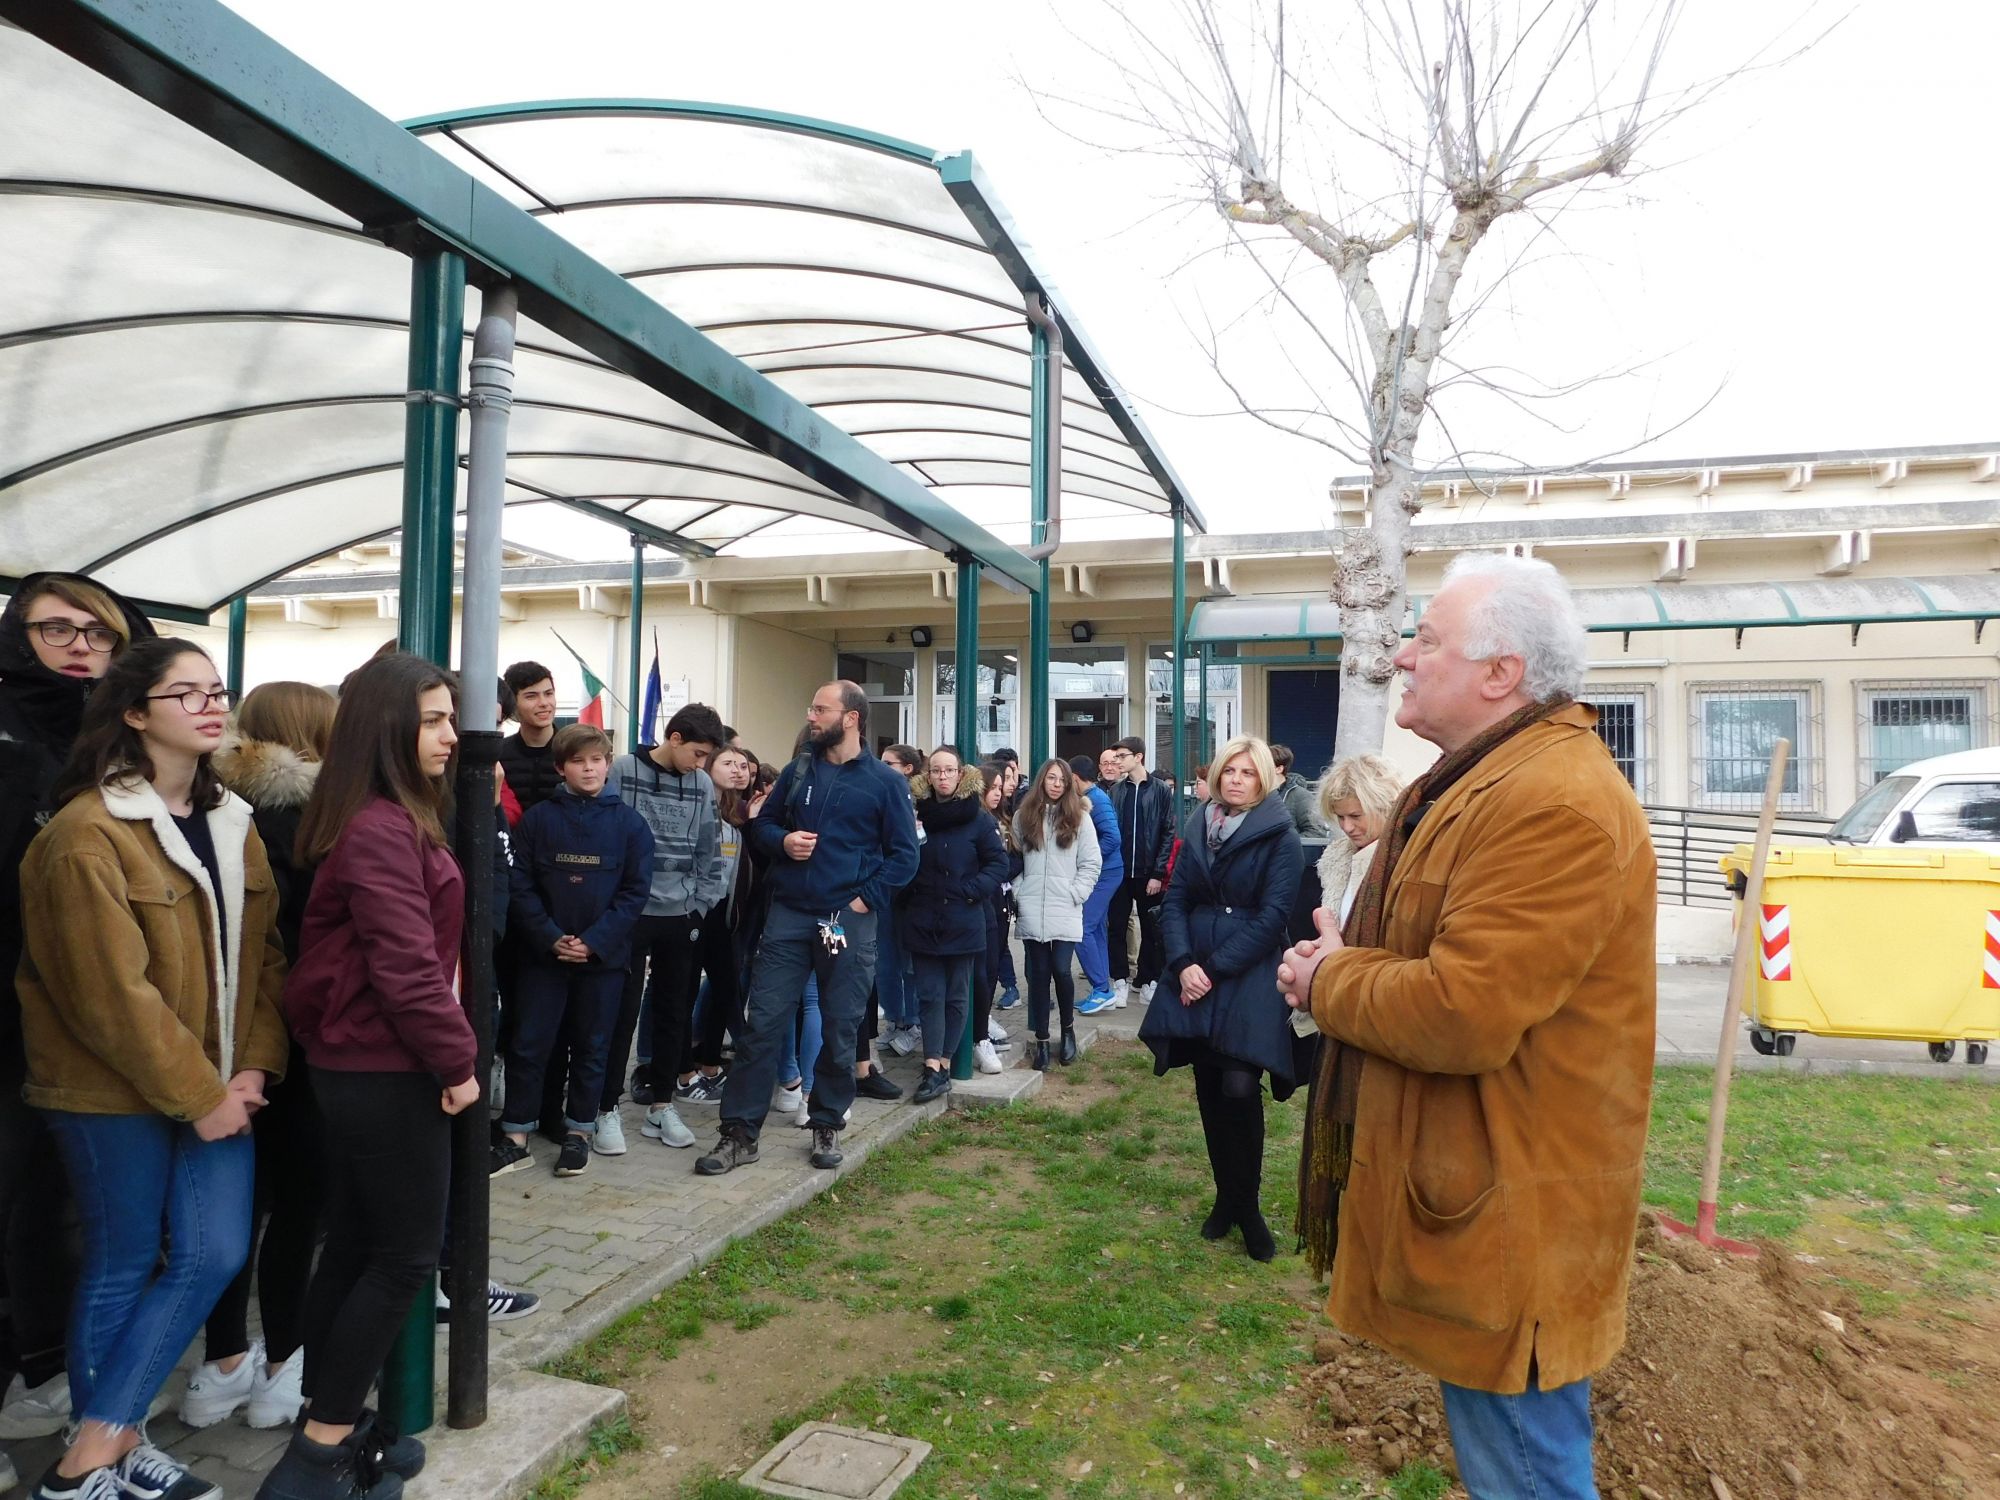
(1145, 810)
(524, 756)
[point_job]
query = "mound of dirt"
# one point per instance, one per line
(1739, 1379)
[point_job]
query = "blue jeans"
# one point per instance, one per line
(892, 976)
(1094, 952)
(1534, 1446)
(791, 949)
(555, 1001)
(799, 1044)
(133, 1318)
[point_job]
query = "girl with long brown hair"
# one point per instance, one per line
(373, 1003)
(1060, 864)
(149, 1008)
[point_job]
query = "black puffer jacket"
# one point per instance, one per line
(961, 865)
(39, 714)
(531, 773)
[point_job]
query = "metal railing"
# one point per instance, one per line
(1690, 842)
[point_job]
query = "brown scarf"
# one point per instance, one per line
(1327, 1150)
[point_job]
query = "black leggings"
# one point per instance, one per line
(388, 1159)
(290, 1177)
(1231, 1099)
(1050, 962)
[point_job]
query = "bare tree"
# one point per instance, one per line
(1361, 155)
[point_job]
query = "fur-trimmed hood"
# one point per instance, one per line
(266, 774)
(970, 784)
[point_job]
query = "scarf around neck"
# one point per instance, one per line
(1327, 1149)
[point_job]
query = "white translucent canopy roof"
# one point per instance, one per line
(203, 366)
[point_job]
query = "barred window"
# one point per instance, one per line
(1625, 724)
(1902, 722)
(1736, 726)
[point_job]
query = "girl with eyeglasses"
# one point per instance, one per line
(58, 635)
(149, 1007)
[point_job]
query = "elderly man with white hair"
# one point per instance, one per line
(1478, 1124)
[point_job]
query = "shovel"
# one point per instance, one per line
(1703, 1229)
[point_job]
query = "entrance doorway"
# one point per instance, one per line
(1086, 726)
(1304, 708)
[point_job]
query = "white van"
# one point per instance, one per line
(1949, 799)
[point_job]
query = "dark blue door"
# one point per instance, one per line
(1304, 705)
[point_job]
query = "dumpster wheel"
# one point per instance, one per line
(1942, 1051)
(1975, 1054)
(1786, 1041)
(1763, 1043)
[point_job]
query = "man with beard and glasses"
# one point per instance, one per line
(839, 836)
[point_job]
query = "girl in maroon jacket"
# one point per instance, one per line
(372, 1001)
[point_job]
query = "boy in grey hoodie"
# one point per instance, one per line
(668, 787)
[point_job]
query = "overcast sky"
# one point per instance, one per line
(1817, 253)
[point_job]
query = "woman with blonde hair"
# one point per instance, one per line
(1218, 1010)
(1356, 797)
(272, 763)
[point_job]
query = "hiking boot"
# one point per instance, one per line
(346, 1470)
(732, 1150)
(936, 1084)
(575, 1156)
(826, 1148)
(874, 1084)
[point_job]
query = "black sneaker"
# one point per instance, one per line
(875, 1084)
(346, 1470)
(700, 1089)
(97, 1484)
(394, 1452)
(731, 1151)
(575, 1156)
(826, 1148)
(936, 1084)
(509, 1155)
(642, 1084)
(148, 1474)
(503, 1303)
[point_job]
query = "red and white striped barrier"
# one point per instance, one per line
(1775, 953)
(1992, 980)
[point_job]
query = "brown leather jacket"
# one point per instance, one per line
(126, 1004)
(1509, 1018)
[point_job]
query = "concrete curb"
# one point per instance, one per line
(1829, 1066)
(535, 1423)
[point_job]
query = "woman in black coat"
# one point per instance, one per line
(941, 914)
(1218, 1009)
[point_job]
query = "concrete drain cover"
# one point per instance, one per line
(820, 1460)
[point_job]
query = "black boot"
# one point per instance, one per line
(1246, 1172)
(1038, 1055)
(1221, 1218)
(1068, 1053)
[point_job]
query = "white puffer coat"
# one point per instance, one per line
(1055, 883)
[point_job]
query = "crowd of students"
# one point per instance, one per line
(234, 951)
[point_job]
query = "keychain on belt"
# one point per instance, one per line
(832, 935)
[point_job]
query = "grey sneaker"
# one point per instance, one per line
(826, 1148)
(731, 1151)
(665, 1125)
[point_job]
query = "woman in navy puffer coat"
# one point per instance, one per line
(941, 915)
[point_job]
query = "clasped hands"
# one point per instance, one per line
(243, 1097)
(1301, 961)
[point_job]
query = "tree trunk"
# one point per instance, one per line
(1369, 587)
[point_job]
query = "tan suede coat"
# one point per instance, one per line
(128, 1003)
(1501, 1124)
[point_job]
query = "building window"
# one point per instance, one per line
(1625, 724)
(1225, 707)
(1735, 727)
(999, 693)
(889, 678)
(1901, 722)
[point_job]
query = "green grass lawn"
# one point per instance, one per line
(1077, 1335)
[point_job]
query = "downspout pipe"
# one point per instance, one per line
(1047, 385)
(476, 835)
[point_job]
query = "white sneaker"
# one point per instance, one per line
(787, 1101)
(663, 1124)
(213, 1395)
(985, 1058)
(609, 1138)
(995, 1032)
(40, 1412)
(9, 1475)
(802, 1116)
(902, 1040)
(1120, 988)
(275, 1399)
(1146, 993)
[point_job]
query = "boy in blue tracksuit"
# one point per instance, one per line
(1093, 954)
(583, 865)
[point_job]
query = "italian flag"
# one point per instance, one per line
(593, 690)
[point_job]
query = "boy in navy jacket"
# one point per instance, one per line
(583, 864)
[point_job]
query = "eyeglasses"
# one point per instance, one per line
(195, 701)
(99, 638)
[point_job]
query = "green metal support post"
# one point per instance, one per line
(430, 501)
(966, 704)
(1041, 428)
(638, 620)
(1201, 749)
(1179, 669)
(239, 628)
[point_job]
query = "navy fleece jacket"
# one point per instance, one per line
(582, 866)
(867, 834)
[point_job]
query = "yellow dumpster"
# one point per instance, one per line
(1900, 943)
